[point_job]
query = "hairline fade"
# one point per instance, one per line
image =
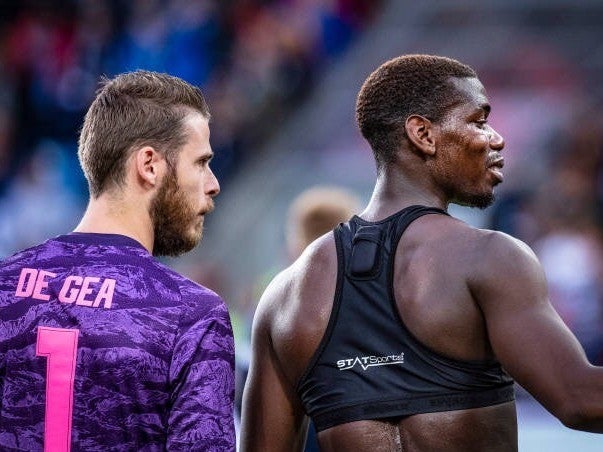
(401, 87)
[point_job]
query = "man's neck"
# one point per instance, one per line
(394, 192)
(110, 215)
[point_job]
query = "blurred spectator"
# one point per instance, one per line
(561, 217)
(568, 209)
(313, 213)
(573, 262)
(38, 203)
(7, 125)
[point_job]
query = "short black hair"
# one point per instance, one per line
(399, 88)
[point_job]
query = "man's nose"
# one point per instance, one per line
(213, 186)
(497, 142)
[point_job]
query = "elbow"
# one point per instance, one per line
(577, 417)
(578, 403)
(573, 419)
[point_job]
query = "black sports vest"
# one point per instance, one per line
(368, 365)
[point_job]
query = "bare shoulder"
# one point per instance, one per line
(486, 259)
(294, 310)
(484, 247)
(502, 264)
(505, 254)
(308, 273)
(500, 243)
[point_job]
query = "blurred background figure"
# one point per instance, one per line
(315, 212)
(25, 214)
(281, 78)
(312, 213)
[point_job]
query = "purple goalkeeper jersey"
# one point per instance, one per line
(104, 348)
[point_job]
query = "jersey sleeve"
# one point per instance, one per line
(202, 379)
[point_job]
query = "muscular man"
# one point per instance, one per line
(101, 346)
(403, 329)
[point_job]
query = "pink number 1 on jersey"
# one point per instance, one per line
(60, 347)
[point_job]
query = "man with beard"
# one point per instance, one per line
(101, 346)
(403, 328)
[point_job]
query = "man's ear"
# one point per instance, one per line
(419, 131)
(149, 165)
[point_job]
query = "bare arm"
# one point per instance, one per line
(273, 419)
(530, 339)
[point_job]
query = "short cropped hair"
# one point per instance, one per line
(317, 211)
(399, 88)
(134, 109)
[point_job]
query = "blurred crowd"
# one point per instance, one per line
(252, 58)
(256, 60)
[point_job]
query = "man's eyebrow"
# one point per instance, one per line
(205, 157)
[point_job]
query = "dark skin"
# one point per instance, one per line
(467, 293)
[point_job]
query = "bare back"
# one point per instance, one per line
(434, 300)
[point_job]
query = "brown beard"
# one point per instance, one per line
(172, 217)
